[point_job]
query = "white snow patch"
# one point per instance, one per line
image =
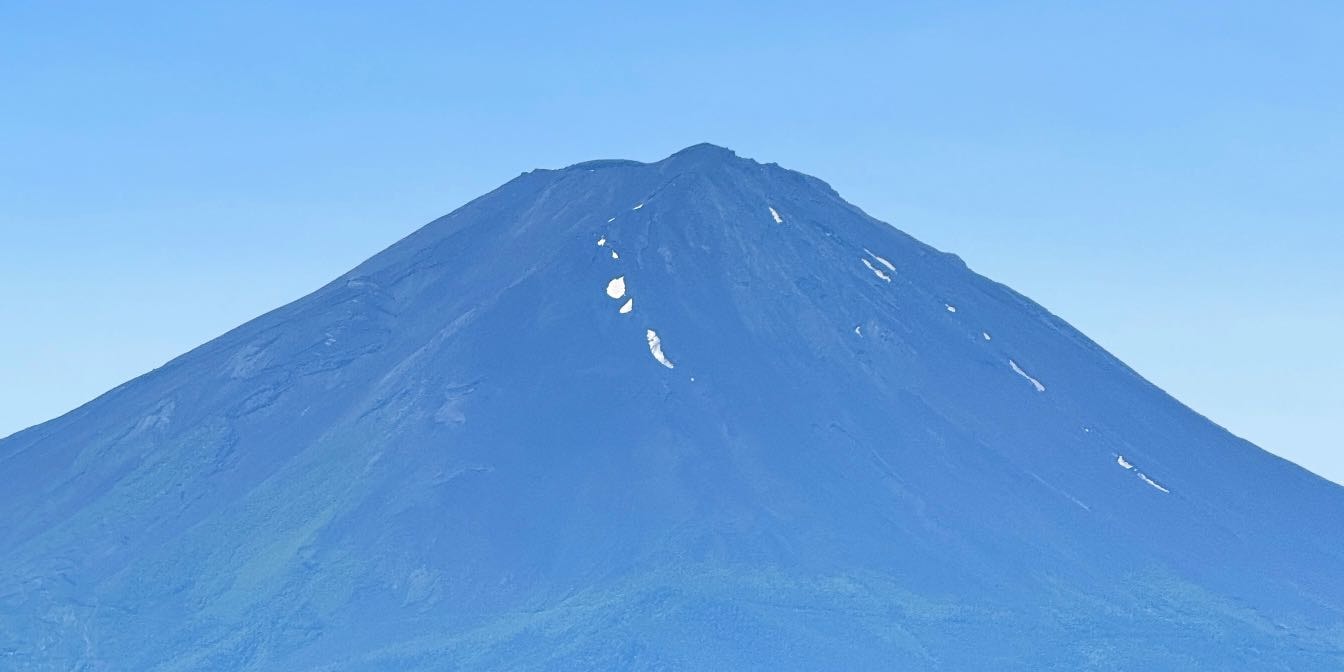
(858, 330)
(890, 267)
(1120, 460)
(876, 271)
(1151, 482)
(1061, 492)
(778, 219)
(601, 241)
(1018, 370)
(611, 220)
(629, 306)
(656, 348)
(985, 334)
(616, 288)
(950, 308)
(614, 255)
(638, 206)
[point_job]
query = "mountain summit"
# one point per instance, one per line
(698, 414)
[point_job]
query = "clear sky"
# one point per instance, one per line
(1166, 176)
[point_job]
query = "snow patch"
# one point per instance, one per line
(778, 219)
(950, 308)
(876, 271)
(985, 334)
(1120, 460)
(1061, 492)
(1018, 370)
(616, 288)
(602, 241)
(614, 255)
(611, 220)
(638, 206)
(1151, 482)
(629, 306)
(656, 348)
(858, 330)
(890, 267)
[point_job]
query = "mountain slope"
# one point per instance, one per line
(846, 451)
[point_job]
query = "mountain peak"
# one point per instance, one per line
(699, 155)
(704, 155)
(704, 150)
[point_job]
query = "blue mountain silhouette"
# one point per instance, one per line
(698, 414)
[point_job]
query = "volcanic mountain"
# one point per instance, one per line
(698, 414)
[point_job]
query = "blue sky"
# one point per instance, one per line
(1165, 176)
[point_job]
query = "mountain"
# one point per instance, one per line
(698, 414)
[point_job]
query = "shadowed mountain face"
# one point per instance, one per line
(697, 414)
